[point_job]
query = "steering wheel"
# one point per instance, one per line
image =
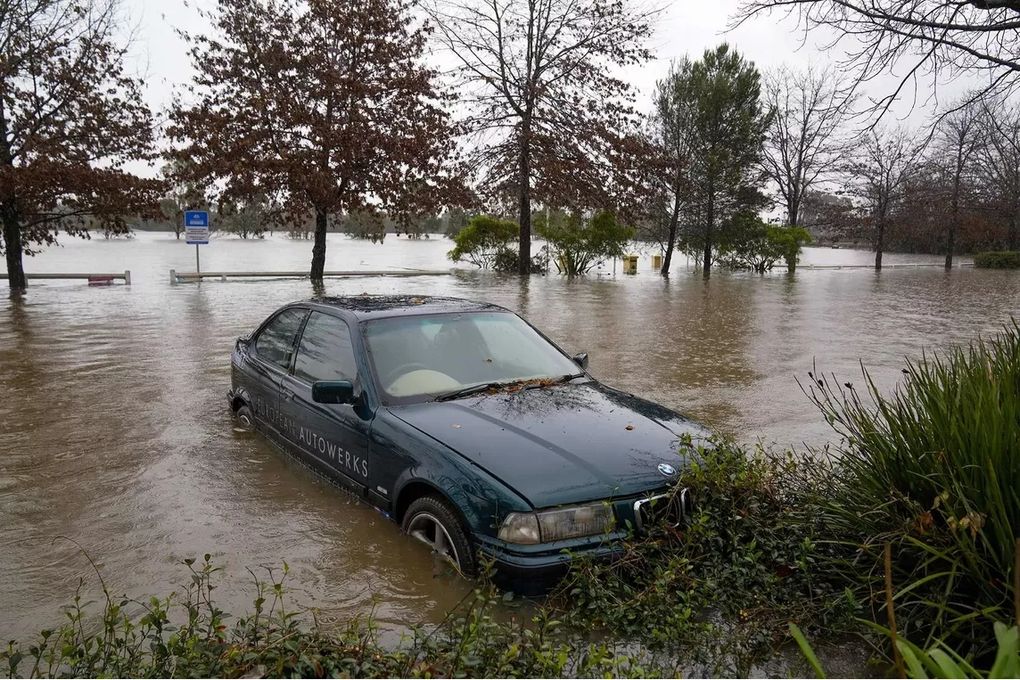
(397, 371)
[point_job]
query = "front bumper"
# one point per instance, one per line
(546, 562)
(533, 569)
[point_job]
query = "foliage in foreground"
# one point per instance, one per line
(187, 635)
(1006, 259)
(934, 470)
(940, 661)
(721, 588)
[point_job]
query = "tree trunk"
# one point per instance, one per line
(1014, 223)
(319, 247)
(674, 221)
(13, 249)
(879, 243)
(953, 222)
(706, 266)
(524, 194)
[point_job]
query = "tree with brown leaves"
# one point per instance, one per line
(323, 105)
(70, 117)
(551, 121)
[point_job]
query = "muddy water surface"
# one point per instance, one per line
(114, 431)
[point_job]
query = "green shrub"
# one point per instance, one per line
(487, 242)
(1005, 259)
(186, 635)
(723, 585)
(751, 243)
(577, 244)
(934, 469)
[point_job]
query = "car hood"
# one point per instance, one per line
(561, 444)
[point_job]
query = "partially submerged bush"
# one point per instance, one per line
(487, 242)
(1005, 259)
(577, 243)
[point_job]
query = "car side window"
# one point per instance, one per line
(325, 351)
(275, 343)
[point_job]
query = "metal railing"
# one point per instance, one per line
(92, 277)
(185, 277)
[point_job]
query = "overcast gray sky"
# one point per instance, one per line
(686, 27)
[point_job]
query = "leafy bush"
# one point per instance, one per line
(1006, 259)
(724, 585)
(577, 245)
(935, 469)
(750, 243)
(487, 242)
(186, 635)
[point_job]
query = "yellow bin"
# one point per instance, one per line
(630, 264)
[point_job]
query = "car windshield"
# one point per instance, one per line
(419, 357)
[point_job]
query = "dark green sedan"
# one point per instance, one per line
(464, 424)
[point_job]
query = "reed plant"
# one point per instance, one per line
(934, 469)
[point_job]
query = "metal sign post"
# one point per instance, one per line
(196, 232)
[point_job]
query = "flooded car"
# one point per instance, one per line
(464, 424)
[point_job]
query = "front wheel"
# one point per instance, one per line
(431, 521)
(245, 420)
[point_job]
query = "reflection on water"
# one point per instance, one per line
(114, 430)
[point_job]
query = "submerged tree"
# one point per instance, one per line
(324, 103)
(958, 138)
(70, 117)
(672, 132)
(728, 124)
(803, 143)
(878, 173)
(551, 118)
(999, 164)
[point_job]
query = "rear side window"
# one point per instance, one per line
(275, 343)
(325, 352)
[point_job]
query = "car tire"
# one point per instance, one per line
(245, 419)
(431, 520)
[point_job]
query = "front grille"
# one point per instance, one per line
(667, 508)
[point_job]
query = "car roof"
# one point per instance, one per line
(365, 307)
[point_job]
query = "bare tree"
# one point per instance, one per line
(878, 173)
(999, 163)
(804, 141)
(70, 117)
(940, 38)
(958, 137)
(549, 114)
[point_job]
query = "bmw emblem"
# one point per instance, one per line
(667, 469)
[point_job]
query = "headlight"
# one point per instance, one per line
(557, 525)
(520, 527)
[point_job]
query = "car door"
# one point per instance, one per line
(336, 436)
(269, 360)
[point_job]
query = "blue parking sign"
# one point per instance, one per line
(196, 227)
(196, 218)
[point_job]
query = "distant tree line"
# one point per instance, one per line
(309, 116)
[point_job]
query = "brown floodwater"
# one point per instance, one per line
(115, 433)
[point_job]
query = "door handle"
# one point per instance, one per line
(288, 394)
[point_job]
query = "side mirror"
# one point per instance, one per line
(581, 360)
(333, 392)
